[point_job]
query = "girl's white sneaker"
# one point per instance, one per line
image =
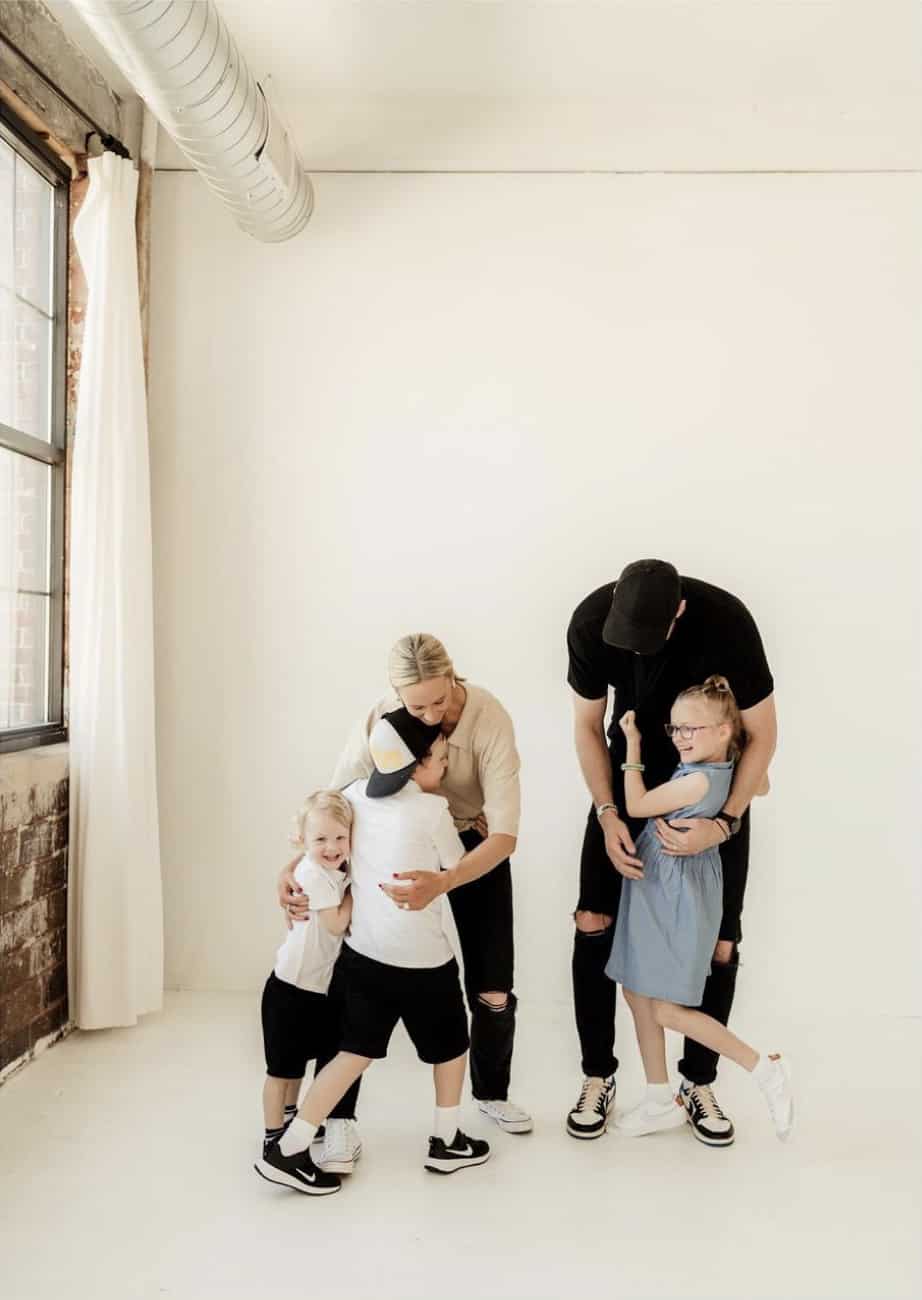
(773, 1076)
(510, 1117)
(650, 1117)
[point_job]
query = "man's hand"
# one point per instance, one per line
(687, 835)
(420, 889)
(292, 899)
(620, 847)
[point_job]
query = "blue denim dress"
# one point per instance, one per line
(669, 922)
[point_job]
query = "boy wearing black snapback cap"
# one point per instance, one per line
(396, 964)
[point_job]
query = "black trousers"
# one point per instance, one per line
(483, 915)
(594, 992)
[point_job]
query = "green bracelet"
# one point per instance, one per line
(632, 767)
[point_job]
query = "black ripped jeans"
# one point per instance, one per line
(483, 915)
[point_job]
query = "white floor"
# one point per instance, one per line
(125, 1172)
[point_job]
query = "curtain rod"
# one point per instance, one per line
(107, 140)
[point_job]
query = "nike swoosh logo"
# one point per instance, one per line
(465, 1151)
(307, 1178)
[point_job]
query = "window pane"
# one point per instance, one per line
(32, 379)
(7, 357)
(33, 236)
(23, 659)
(6, 215)
(25, 507)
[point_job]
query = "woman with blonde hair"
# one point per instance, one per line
(482, 788)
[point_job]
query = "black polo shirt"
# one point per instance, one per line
(716, 634)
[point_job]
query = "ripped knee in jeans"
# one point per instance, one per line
(591, 924)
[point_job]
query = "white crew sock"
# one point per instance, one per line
(764, 1069)
(446, 1122)
(297, 1137)
(659, 1093)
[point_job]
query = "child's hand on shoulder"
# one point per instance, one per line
(628, 724)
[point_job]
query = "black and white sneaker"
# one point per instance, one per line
(298, 1172)
(461, 1153)
(589, 1117)
(709, 1124)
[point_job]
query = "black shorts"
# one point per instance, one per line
(483, 914)
(600, 882)
(298, 1026)
(374, 996)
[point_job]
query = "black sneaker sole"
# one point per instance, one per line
(587, 1134)
(281, 1179)
(452, 1166)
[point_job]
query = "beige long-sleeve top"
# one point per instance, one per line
(483, 762)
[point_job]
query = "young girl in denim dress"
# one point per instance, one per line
(669, 921)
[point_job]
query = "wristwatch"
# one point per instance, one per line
(732, 823)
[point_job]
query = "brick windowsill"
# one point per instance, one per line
(33, 902)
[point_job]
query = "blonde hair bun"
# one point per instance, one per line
(718, 691)
(417, 658)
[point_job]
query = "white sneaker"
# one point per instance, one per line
(589, 1117)
(509, 1117)
(339, 1149)
(650, 1117)
(775, 1082)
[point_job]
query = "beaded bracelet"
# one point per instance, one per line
(632, 767)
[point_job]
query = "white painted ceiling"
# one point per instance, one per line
(576, 84)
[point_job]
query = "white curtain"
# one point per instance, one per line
(116, 911)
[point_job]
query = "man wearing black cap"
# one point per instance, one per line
(651, 635)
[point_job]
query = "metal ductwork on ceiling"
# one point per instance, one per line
(183, 61)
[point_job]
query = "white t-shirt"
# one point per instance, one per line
(406, 831)
(309, 952)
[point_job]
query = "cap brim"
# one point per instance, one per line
(385, 783)
(623, 635)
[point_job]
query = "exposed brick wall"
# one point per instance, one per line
(33, 902)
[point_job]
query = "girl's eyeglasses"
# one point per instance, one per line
(687, 733)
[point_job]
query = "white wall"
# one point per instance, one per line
(458, 404)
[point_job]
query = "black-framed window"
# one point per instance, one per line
(34, 190)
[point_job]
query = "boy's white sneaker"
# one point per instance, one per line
(650, 1117)
(510, 1117)
(339, 1149)
(773, 1076)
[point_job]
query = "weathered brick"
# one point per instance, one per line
(49, 950)
(9, 850)
(14, 968)
(62, 796)
(55, 985)
(60, 832)
(15, 1046)
(17, 888)
(35, 842)
(48, 1022)
(23, 925)
(23, 1005)
(57, 910)
(51, 875)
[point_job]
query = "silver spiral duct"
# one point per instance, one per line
(185, 64)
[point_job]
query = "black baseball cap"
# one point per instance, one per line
(397, 742)
(643, 606)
